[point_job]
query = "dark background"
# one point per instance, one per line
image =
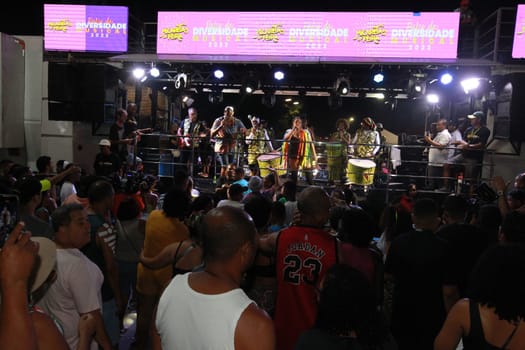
(28, 20)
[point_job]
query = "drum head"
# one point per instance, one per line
(268, 156)
(363, 163)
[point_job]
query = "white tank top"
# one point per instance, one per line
(190, 320)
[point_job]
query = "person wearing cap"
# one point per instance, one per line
(366, 141)
(225, 130)
(258, 143)
(106, 162)
(472, 148)
(24, 326)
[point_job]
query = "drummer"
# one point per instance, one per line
(258, 143)
(338, 159)
(367, 141)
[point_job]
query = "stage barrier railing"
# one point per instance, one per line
(393, 165)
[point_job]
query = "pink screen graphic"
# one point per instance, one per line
(518, 48)
(348, 34)
(85, 28)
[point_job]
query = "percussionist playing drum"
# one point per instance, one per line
(258, 143)
(365, 145)
(337, 151)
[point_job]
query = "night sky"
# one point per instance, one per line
(30, 20)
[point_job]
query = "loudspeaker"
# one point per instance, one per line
(509, 121)
(81, 91)
(62, 82)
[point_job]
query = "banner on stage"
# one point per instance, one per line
(518, 47)
(324, 34)
(85, 28)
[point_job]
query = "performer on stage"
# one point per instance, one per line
(365, 146)
(366, 142)
(192, 131)
(298, 150)
(258, 143)
(225, 130)
(337, 151)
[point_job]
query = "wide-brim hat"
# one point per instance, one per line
(45, 262)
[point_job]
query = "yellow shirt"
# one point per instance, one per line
(160, 232)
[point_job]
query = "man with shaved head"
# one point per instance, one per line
(207, 309)
(303, 253)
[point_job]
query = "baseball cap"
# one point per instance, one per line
(477, 114)
(45, 263)
(105, 142)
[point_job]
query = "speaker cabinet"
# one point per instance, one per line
(81, 91)
(509, 122)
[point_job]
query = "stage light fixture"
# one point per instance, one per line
(278, 75)
(218, 74)
(432, 98)
(446, 78)
(138, 73)
(181, 80)
(379, 77)
(250, 86)
(268, 99)
(416, 85)
(342, 86)
(187, 101)
(154, 72)
(470, 84)
(216, 96)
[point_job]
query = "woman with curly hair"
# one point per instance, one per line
(493, 315)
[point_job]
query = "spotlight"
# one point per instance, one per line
(379, 77)
(470, 84)
(416, 86)
(249, 87)
(187, 101)
(446, 79)
(144, 78)
(219, 74)
(432, 98)
(154, 72)
(342, 86)
(278, 75)
(138, 73)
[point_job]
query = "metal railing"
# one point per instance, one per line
(393, 165)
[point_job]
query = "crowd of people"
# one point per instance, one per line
(261, 262)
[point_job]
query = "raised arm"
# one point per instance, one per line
(165, 257)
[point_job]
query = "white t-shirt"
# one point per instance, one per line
(76, 291)
(188, 320)
(437, 156)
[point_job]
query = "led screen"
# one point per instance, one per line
(85, 28)
(518, 48)
(310, 34)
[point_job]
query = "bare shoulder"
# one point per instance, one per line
(254, 330)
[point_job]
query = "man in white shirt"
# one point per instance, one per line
(438, 153)
(76, 292)
(207, 309)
